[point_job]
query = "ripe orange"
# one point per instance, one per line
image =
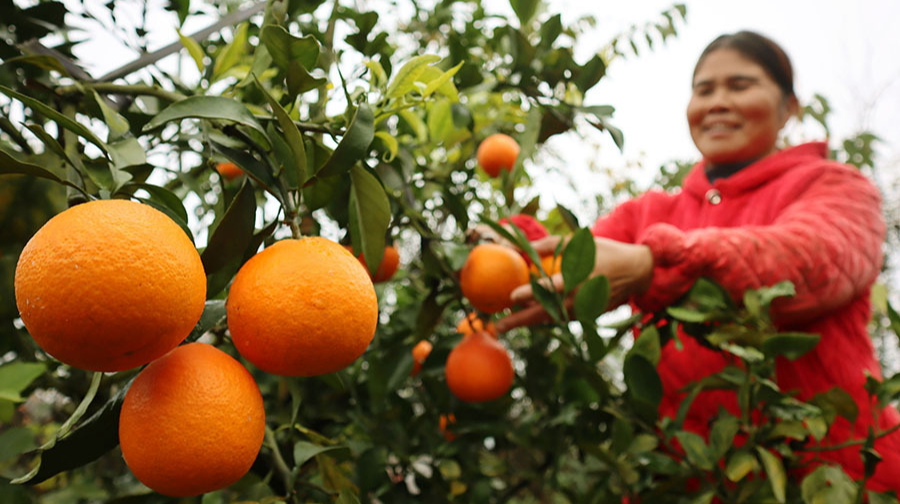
(302, 308)
(443, 422)
(490, 274)
(229, 171)
(552, 265)
(192, 422)
(479, 369)
(497, 152)
(420, 353)
(389, 263)
(109, 285)
(473, 323)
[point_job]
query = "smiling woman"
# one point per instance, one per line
(751, 215)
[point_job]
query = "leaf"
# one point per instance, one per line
(881, 498)
(781, 289)
(647, 345)
(234, 232)
(50, 113)
(722, 435)
(524, 9)
(16, 377)
(347, 497)
(568, 217)
(441, 81)
(370, 215)
(578, 258)
(740, 465)
(695, 449)
(591, 300)
(193, 49)
(391, 143)
(125, 153)
(117, 124)
(404, 80)
(588, 75)
(15, 441)
(379, 78)
(550, 31)
(249, 164)
(206, 107)
(828, 485)
(775, 471)
(304, 451)
(416, 124)
(291, 134)
(299, 80)
(232, 53)
(213, 314)
(790, 345)
(644, 386)
(440, 122)
(285, 48)
(354, 146)
(839, 402)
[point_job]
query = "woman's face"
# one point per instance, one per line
(736, 109)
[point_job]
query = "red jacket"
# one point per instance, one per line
(793, 215)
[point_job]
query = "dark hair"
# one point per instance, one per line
(762, 51)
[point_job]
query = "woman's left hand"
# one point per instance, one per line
(628, 267)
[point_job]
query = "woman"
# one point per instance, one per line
(749, 216)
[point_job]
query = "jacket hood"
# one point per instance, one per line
(759, 173)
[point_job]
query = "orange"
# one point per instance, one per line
(497, 152)
(479, 369)
(388, 266)
(489, 276)
(229, 171)
(442, 426)
(192, 422)
(552, 265)
(109, 285)
(473, 323)
(302, 308)
(420, 353)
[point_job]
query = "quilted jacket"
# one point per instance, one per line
(793, 215)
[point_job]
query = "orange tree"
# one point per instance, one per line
(363, 127)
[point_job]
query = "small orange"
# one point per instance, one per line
(229, 171)
(552, 265)
(192, 422)
(420, 352)
(388, 266)
(110, 285)
(302, 308)
(497, 152)
(443, 422)
(479, 369)
(473, 323)
(489, 276)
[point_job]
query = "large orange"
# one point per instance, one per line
(388, 266)
(192, 422)
(479, 369)
(497, 152)
(302, 308)
(472, 324)
(489, 276)
(229, 171)
(109, 285)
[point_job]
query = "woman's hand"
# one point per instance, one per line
(628, 267)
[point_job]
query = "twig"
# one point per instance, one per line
(849, 443)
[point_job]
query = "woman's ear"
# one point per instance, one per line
(791, 109)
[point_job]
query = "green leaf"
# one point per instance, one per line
(442, 81)
(688, 315)
(440, 122)
(775, 471)
(781, 289)
(285, 48)
(125, 153)
(578, 258)
(722, 435)
(15, 441)
(740, 464)
(391, 143)
(588, 75)
(299, 79)
(881, 498)
(50, 113)
(232, 53)
(291, 134)
(370, 215)
(568, 217)
(16, 377)
(12, 166)
(647, 345)
(550, 31)
(193, 49)
(416, 124)
(249, 164)
(164, 197)
(304, 451)
(828, 485)
(524, 9)
(591, 300)
(839, 402)
(233, 233)
(206, 107)
(644, 386)
(354, 146)
(790, 345)
(117, 124)
(695, 449)
(93, 437)
(379, 77)
(404, 80)
(347, 497)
